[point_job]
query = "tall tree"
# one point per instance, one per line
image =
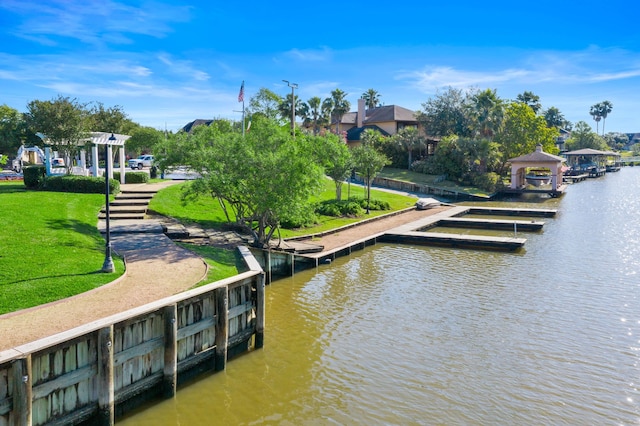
(313, 113)
(554, 118)
(266, 103)
(531, 99)
(336, 158)
(605, 109)
(367, 160)
(64, 121)
(371, 98)
(143, 140)
(339, 106)
(444, 114)
(522, 131)
(486, 111)
(596, 112)
(110, 120)
(285, 108)
(265, 178)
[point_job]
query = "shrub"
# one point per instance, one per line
(79, 184)
(132, 177)
(34, 176)
(373, 203)
(486, 181)
(340, 208)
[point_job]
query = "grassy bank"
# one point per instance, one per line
(208, 213)
(50, 247)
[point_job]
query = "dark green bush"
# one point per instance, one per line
(34, 176)
(340, 208)
(132, 177)
(80, 184)
(373, 203)
(486, 181)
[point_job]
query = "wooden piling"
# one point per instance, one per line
(22, 390)
(222, 327)
(170, 378)
(106, 398)
(260, 311)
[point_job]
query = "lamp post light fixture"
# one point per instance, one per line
(107, 266)
(293, 107)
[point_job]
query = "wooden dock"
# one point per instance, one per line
(504, 211)
(455, 240)
(501, 225)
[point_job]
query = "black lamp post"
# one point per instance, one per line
(108, 261)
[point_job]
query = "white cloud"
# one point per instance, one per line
(309, 55)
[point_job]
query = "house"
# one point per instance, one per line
(188, 128)
(387, 119)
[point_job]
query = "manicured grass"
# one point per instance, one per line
(431, 180)
(222, 263)
(208, 213)
(50, 247)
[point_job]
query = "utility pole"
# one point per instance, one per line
(293, 107)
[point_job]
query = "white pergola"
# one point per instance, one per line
(95, 139)
(110, 140)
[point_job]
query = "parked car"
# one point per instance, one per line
(57, 162)
(140, 162)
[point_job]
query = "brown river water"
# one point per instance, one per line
(403, 335)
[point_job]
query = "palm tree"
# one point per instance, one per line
(371, 98)
(530, 99)
(554, 118)
(596, 113)
(313, 113)
(409, 138)
(339, 106)
(605, 109)
(487, 112)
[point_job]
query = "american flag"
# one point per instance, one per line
(241, 94)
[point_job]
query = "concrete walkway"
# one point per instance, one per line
(156, 268)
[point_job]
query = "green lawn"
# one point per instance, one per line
(208, 213)
(431, 180)
(50, 247)
(222, 263)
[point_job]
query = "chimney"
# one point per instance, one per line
(538, 148)
(360, 112)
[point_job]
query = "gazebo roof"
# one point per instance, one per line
(589, 151)
(539, 156)
(97, 138)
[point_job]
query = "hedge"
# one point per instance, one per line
(79, 184)
(34, 176)
(132, 177)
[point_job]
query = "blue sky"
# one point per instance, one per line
(168, 62)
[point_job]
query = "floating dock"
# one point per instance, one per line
(501, 225)
(504, 211)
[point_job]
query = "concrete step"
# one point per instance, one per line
(135, 196)
(121, 216)
(131, 202)
(125, 209)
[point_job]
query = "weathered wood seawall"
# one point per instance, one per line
(94, 373)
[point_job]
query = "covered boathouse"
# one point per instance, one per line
(537, 160)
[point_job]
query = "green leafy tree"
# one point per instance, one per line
(144, 140)
(616, 140)
(445, 114)
(110, 120)
(265, 103)
(11, 130)
(371, 98)
(522, 131)
(531, 99)
(583, 137)
(409, 138)
(367, 160)
(64, 121)
(263, 179)
(285, 108)
(336, 159)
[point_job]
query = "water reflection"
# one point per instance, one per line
(418, 335)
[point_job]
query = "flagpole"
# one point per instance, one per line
(241, 99)
(243, 117)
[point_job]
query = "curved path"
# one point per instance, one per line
(156, 268)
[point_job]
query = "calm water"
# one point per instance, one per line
(414, 335)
